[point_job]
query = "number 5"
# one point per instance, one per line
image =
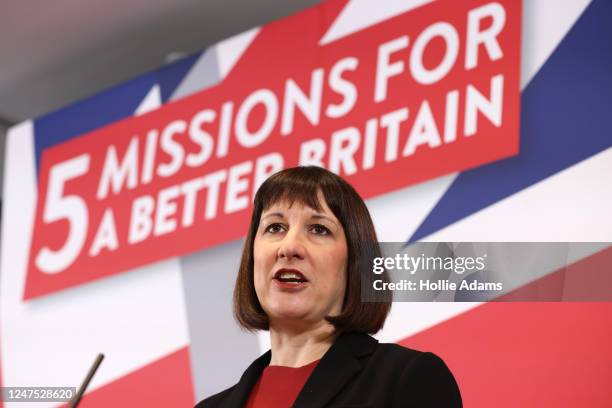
(70, 207)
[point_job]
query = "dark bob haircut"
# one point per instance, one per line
(302, 184)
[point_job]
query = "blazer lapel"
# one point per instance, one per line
(240, 395)
(336, 368)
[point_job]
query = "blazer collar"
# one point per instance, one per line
(339, 364)
(240, 395)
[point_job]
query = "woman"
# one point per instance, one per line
(300, 278)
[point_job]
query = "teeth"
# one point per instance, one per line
(289, 275)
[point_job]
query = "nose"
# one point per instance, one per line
(291, 246)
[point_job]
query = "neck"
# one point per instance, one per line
(298, 346)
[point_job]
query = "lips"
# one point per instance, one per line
(290, 276)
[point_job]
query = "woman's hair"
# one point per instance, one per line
(302, 184)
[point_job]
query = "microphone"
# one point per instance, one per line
(77, 398)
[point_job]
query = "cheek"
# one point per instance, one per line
(335, 264)
(339, 259)
(257, 252)
(261, 262)
(342, 266)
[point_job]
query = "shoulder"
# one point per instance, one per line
(408, 358)
(215, 400)
(402, 376)
(421, 378)
(393, 350)
(395, 358)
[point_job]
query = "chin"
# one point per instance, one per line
(289, 311)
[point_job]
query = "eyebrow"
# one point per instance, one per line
(316, 216)
(274, 214)
(325, 217)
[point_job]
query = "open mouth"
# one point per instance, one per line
(290, 276)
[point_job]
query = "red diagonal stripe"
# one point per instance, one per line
(531, 354)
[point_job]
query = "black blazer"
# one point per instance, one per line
(359, 372)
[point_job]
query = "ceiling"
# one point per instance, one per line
(55, 54)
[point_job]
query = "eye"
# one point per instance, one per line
(274, 228)
(320, 229)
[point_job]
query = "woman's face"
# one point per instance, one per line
(300, 259)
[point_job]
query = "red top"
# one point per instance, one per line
(278, 386)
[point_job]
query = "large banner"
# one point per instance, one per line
(420, 95)
(457, 121)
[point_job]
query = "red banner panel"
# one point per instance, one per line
(425, 93)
